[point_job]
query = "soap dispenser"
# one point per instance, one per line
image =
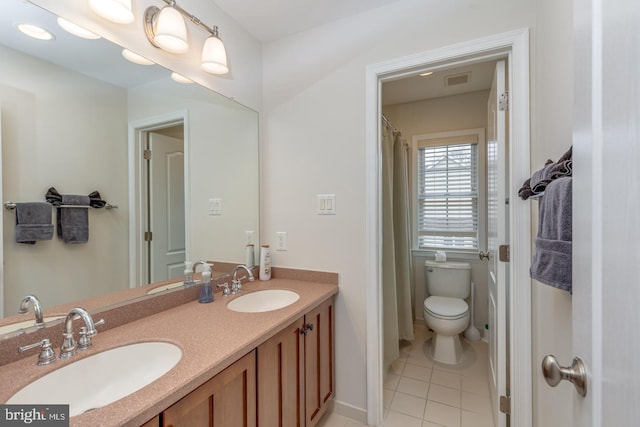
(206, 292)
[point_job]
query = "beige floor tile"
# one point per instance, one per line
(430, 424)
(413, 387)
(408, 405)
(479, 403)
(417, 372)
(447, 379)
(444, 415)
(391, 381)
(472, 419)
(475, 384)
(331, 419)
(397, 366)
(387, 397)
(396, 419)
(446, 395)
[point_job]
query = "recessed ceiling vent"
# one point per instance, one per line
(457, 79)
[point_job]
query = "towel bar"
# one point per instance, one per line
(12, 206)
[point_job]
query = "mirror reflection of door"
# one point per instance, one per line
(165, 200)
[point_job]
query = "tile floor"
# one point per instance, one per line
(419, 392)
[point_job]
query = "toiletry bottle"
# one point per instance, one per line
(188, 274)
(265, 262)
(250, 261)
(206, 292)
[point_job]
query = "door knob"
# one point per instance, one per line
(576, 373)
(483, 255)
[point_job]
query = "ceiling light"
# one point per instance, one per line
(166, 29)
(180, 78)
(118, 11)
(135, 58)
(35, 32)
(426, 74)
(214, 55)
(76, 30)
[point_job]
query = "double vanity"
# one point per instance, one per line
(263, 356)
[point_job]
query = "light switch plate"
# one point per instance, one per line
(215, 206)
(326, 204)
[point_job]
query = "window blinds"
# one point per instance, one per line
(448, 193)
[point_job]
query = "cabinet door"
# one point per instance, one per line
(228, 399)
(281, 378)
(318, 360)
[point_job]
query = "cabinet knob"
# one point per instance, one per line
(306, 328)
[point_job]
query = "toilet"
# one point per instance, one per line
(445, 310)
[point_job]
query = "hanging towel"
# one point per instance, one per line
(73, 222)
(33, 222)
(552, 254)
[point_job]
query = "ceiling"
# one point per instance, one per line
(274, 19)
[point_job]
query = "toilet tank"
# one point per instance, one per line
(448, 279)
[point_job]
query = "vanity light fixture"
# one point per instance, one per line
(166, 29)
(76, 30)
(180, 78)
(135, 58)
(118, 11)
(428, 73)
(35, 32)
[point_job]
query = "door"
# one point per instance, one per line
(606, 202)
(496, 236)
(166, 207)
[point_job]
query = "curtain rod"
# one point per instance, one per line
(384, 118)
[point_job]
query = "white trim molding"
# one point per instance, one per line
(136, 220)
(514, 46)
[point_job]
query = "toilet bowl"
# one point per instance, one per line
(446, 312)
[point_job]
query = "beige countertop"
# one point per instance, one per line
(211, 337)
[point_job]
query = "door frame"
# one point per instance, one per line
(137, 130)
(515, 46)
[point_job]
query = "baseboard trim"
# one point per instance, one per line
(350, 411)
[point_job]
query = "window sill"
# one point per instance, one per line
(470, 255)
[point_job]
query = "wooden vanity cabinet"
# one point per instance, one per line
(228, 399)
(296, 369)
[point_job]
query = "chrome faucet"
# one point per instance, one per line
(69, 344)
(236, 284)
(37, 308)
(197, 263)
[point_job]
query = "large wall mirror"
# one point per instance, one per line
(77, 116)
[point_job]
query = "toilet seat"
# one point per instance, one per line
(445, 307)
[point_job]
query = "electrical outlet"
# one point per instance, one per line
(215, 206)
(281, 241)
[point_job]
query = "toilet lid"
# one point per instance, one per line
(445, 307)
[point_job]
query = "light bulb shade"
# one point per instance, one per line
(118, 11)
(214, 56)
(170, 31)
(135, 58)
(180, 78)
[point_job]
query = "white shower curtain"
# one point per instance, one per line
(397, 287)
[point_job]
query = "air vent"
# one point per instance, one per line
(457, 79)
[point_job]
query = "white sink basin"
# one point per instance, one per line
(101, 379)
(266, 300)
(25, 324)
(166, 287)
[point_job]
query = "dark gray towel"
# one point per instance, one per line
(552, 256)
(33, 222)
(73, 222)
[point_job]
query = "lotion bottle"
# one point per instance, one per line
(265, 262)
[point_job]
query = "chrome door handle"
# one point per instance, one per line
(483, 255)
(576, 373)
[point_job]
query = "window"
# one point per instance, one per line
(449, 205)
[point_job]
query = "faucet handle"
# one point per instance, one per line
(46, 356)
(85, 337)
(226, 291)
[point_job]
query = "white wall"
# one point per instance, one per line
(314, 142)
(55, 134)
(451, 113)
(222, 150)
